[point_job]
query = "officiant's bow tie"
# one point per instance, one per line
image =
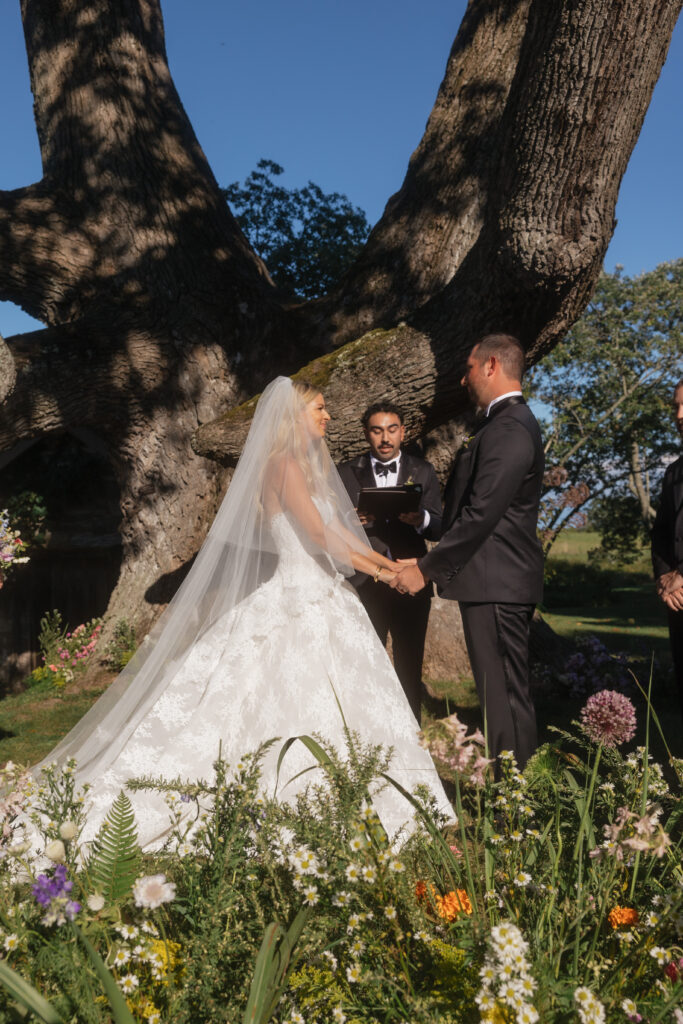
(385, 468)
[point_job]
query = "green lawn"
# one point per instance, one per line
(32, 723)
(616, 602)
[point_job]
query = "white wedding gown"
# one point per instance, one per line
(277, 665)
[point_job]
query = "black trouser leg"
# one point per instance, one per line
(676, 639)
(497, 638)
(406, 618)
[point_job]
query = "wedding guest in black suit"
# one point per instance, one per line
(667, 548)
(489, 558)
(387, 465)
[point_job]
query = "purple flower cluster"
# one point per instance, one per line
(609, 718)
(52, 892)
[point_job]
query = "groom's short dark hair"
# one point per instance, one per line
(381, 407)
(508, 351)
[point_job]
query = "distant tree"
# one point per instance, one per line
(306, 237)
(607, 387)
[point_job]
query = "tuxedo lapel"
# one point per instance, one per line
(404, 469)
(364, 474)
(460, 474)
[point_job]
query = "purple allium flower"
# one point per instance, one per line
(609, 718)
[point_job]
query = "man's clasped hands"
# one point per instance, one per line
(670, 589)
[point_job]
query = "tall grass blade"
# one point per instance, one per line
(319, 754)
(273, 966)
(27, 995)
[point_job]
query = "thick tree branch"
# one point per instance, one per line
(44, 258)
(139, 215)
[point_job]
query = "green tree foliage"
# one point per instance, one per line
(608, 389)
(306, 237)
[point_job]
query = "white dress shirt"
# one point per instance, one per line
(495, 401)
(386, 479)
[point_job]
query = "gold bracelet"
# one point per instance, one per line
(377, 573)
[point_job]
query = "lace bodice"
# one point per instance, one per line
(297, 567)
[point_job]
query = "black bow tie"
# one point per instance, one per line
(385, 468)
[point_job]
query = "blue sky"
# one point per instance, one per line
(339, 93)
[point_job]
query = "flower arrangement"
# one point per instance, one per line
(12, 547)
(65, 653)
(557, 896)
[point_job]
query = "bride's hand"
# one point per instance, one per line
(387, 574)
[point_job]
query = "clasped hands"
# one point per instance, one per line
(669, 588)
(408, 578)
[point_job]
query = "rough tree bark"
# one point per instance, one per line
(127, 250)
(160, 316)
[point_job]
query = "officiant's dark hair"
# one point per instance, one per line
(507, 350)
(381, 407)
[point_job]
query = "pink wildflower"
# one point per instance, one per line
(609, 718)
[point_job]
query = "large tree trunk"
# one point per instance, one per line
(160, 316)
(159, 311)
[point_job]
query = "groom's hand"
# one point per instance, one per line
(410, 579)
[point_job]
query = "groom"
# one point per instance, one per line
(386, 464)
(489, 558)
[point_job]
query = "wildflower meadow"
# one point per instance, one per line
(556, 896)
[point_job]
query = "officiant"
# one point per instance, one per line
(402, 535)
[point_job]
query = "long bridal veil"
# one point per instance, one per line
(239, 554)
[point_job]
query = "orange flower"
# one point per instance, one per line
(623, 917)
(453, 904)
(449, 906)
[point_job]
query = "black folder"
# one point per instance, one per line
(389, 502)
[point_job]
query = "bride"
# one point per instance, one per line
(263, 639)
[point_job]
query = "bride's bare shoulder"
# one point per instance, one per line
(282, 471)
(280, 467)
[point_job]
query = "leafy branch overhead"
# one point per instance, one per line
(607, 389)
(306, 237)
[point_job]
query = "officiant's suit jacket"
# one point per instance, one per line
(489, 551)
(402, 540)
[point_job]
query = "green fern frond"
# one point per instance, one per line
(114, 862)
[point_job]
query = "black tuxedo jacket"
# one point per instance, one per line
(391, 535)
(667, 531)
(489, 551)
